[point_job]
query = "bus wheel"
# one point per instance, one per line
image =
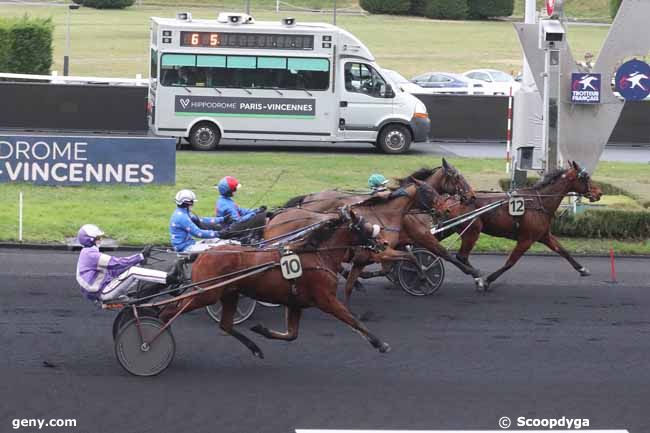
(394, 138)
(205, 136)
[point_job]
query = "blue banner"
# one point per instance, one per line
(77, 160)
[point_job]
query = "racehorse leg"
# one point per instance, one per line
(229, 305)
(354, 273)
(468, 240)
(434, 246)
(552, 242)
(293, 322)
(522, 246)
(328, 303)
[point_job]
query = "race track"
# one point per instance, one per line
(545, 344)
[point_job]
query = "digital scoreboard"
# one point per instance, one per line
(247, 40)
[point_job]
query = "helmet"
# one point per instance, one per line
(228, 185)
(376, 180)
(88, 234)
(185, 196)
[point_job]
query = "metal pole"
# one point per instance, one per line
(248, 7)
(66, 59)
(529, 18)
(277, 6)
(20, 216)
(334, 13)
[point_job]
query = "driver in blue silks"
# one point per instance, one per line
(184, 226)
(226, 206)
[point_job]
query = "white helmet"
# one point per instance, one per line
(185, 196)
(88, 234)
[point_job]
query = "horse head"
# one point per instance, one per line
(454, 183)
(581, 182)
(367, 232)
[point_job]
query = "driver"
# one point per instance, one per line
(184, 225)
(226, 206)
(104, 278)
(378, 187)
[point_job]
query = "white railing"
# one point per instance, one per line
(58, 79)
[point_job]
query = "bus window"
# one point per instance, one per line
(249, 72)
(362, 78)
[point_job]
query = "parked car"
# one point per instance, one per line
(495, 82)
(446, 82)
(402, 82)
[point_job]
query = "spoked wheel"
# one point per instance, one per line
(423, 283)
(142, 349)
(245, 309)
(126, 314)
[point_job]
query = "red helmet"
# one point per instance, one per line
(228, 185)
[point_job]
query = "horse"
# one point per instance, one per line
(321, 253)
(444, 180)
(534, 225)
(393, 215)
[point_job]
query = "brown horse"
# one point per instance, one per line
(400, 227)
(321, 253)
(415, 225)
(444, 180)
(541, 202)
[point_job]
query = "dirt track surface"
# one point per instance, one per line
(545, 344)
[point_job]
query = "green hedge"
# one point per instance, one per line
(606, 188)
(106, 4)
(396, 7)
(612, 224)
(418, 7)
(5, 45)
(446, 9)
(613, 7)
(480, 9)
(26, 45)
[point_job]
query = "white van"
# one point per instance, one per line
(237, 79)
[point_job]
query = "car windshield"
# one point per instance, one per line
(395, 76)
(500, 77)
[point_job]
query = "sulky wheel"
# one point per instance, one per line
(126, 314)
(245, 309)
(425, 282)
(142, 349)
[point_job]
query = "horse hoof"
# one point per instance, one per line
(384, 348)
(480, 284)
(584, 272)
(259, 354)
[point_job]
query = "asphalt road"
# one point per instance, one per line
(619, 153)
(545, 343)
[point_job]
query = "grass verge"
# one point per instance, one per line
(140, 214)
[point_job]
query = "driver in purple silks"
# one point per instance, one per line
(103, 277)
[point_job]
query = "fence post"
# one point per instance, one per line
(20, 216)
(277, 6)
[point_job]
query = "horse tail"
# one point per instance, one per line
(295, 202)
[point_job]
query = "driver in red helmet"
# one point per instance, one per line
(226, 206)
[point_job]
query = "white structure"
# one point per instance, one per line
(239, 79)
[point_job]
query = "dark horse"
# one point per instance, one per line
(321, 253)
(444, 180)
(415, 225)
(394, 215)
(541, 202)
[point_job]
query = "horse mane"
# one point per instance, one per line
(549, 178)
(420, 174)
(313, 240)
(295, 201)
